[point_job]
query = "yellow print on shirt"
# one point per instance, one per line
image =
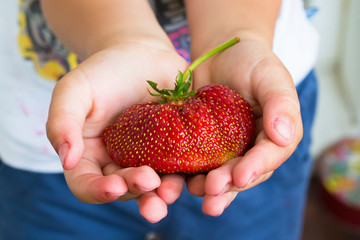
(37, 42)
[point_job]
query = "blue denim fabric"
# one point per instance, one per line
(271, 210)
(36, 206)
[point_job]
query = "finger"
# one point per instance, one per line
(71, 102)
(171, 187)
(263, 158)
(110, 169)
(139, 180)
(152, 207)
(92, 187)
(276, 94)
(215, 205)
(196, 185)
(256, 182)
(219, 180)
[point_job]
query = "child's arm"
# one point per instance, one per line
(121, 45)
(213, 21)
(87, 26)
(251, 68)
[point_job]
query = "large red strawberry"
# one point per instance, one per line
(186, 132)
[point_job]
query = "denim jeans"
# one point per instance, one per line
(36, 206)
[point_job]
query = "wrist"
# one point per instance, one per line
(216, 21)
(151, 40)
(202, 44)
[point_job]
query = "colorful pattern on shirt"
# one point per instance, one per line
(37, 43)
(53, 60)
(171, 15)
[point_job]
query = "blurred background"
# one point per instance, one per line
(338, 68)
(333, 210)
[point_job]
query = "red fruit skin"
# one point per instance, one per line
(200, 134)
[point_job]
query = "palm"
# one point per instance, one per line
(117, 80)
(253, 71)
(89, 99)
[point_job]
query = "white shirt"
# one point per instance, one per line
(25, 95)
(295, 40)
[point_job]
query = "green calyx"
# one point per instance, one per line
(183, 80)
(178, 94)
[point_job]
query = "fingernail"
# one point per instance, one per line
(140, 188)
(225, 189)
(251, 179)
(112, 195)
(63, 151)
(283, 127)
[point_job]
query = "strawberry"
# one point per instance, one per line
(187, 131)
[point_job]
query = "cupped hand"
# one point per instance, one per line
(91, 97)
(252, 69)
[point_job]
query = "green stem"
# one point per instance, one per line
(209, 54)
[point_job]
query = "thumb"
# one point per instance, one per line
(70, 103)
(279, 102)
(282, 119)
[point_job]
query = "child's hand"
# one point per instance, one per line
(86, 101)
(254, 71)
